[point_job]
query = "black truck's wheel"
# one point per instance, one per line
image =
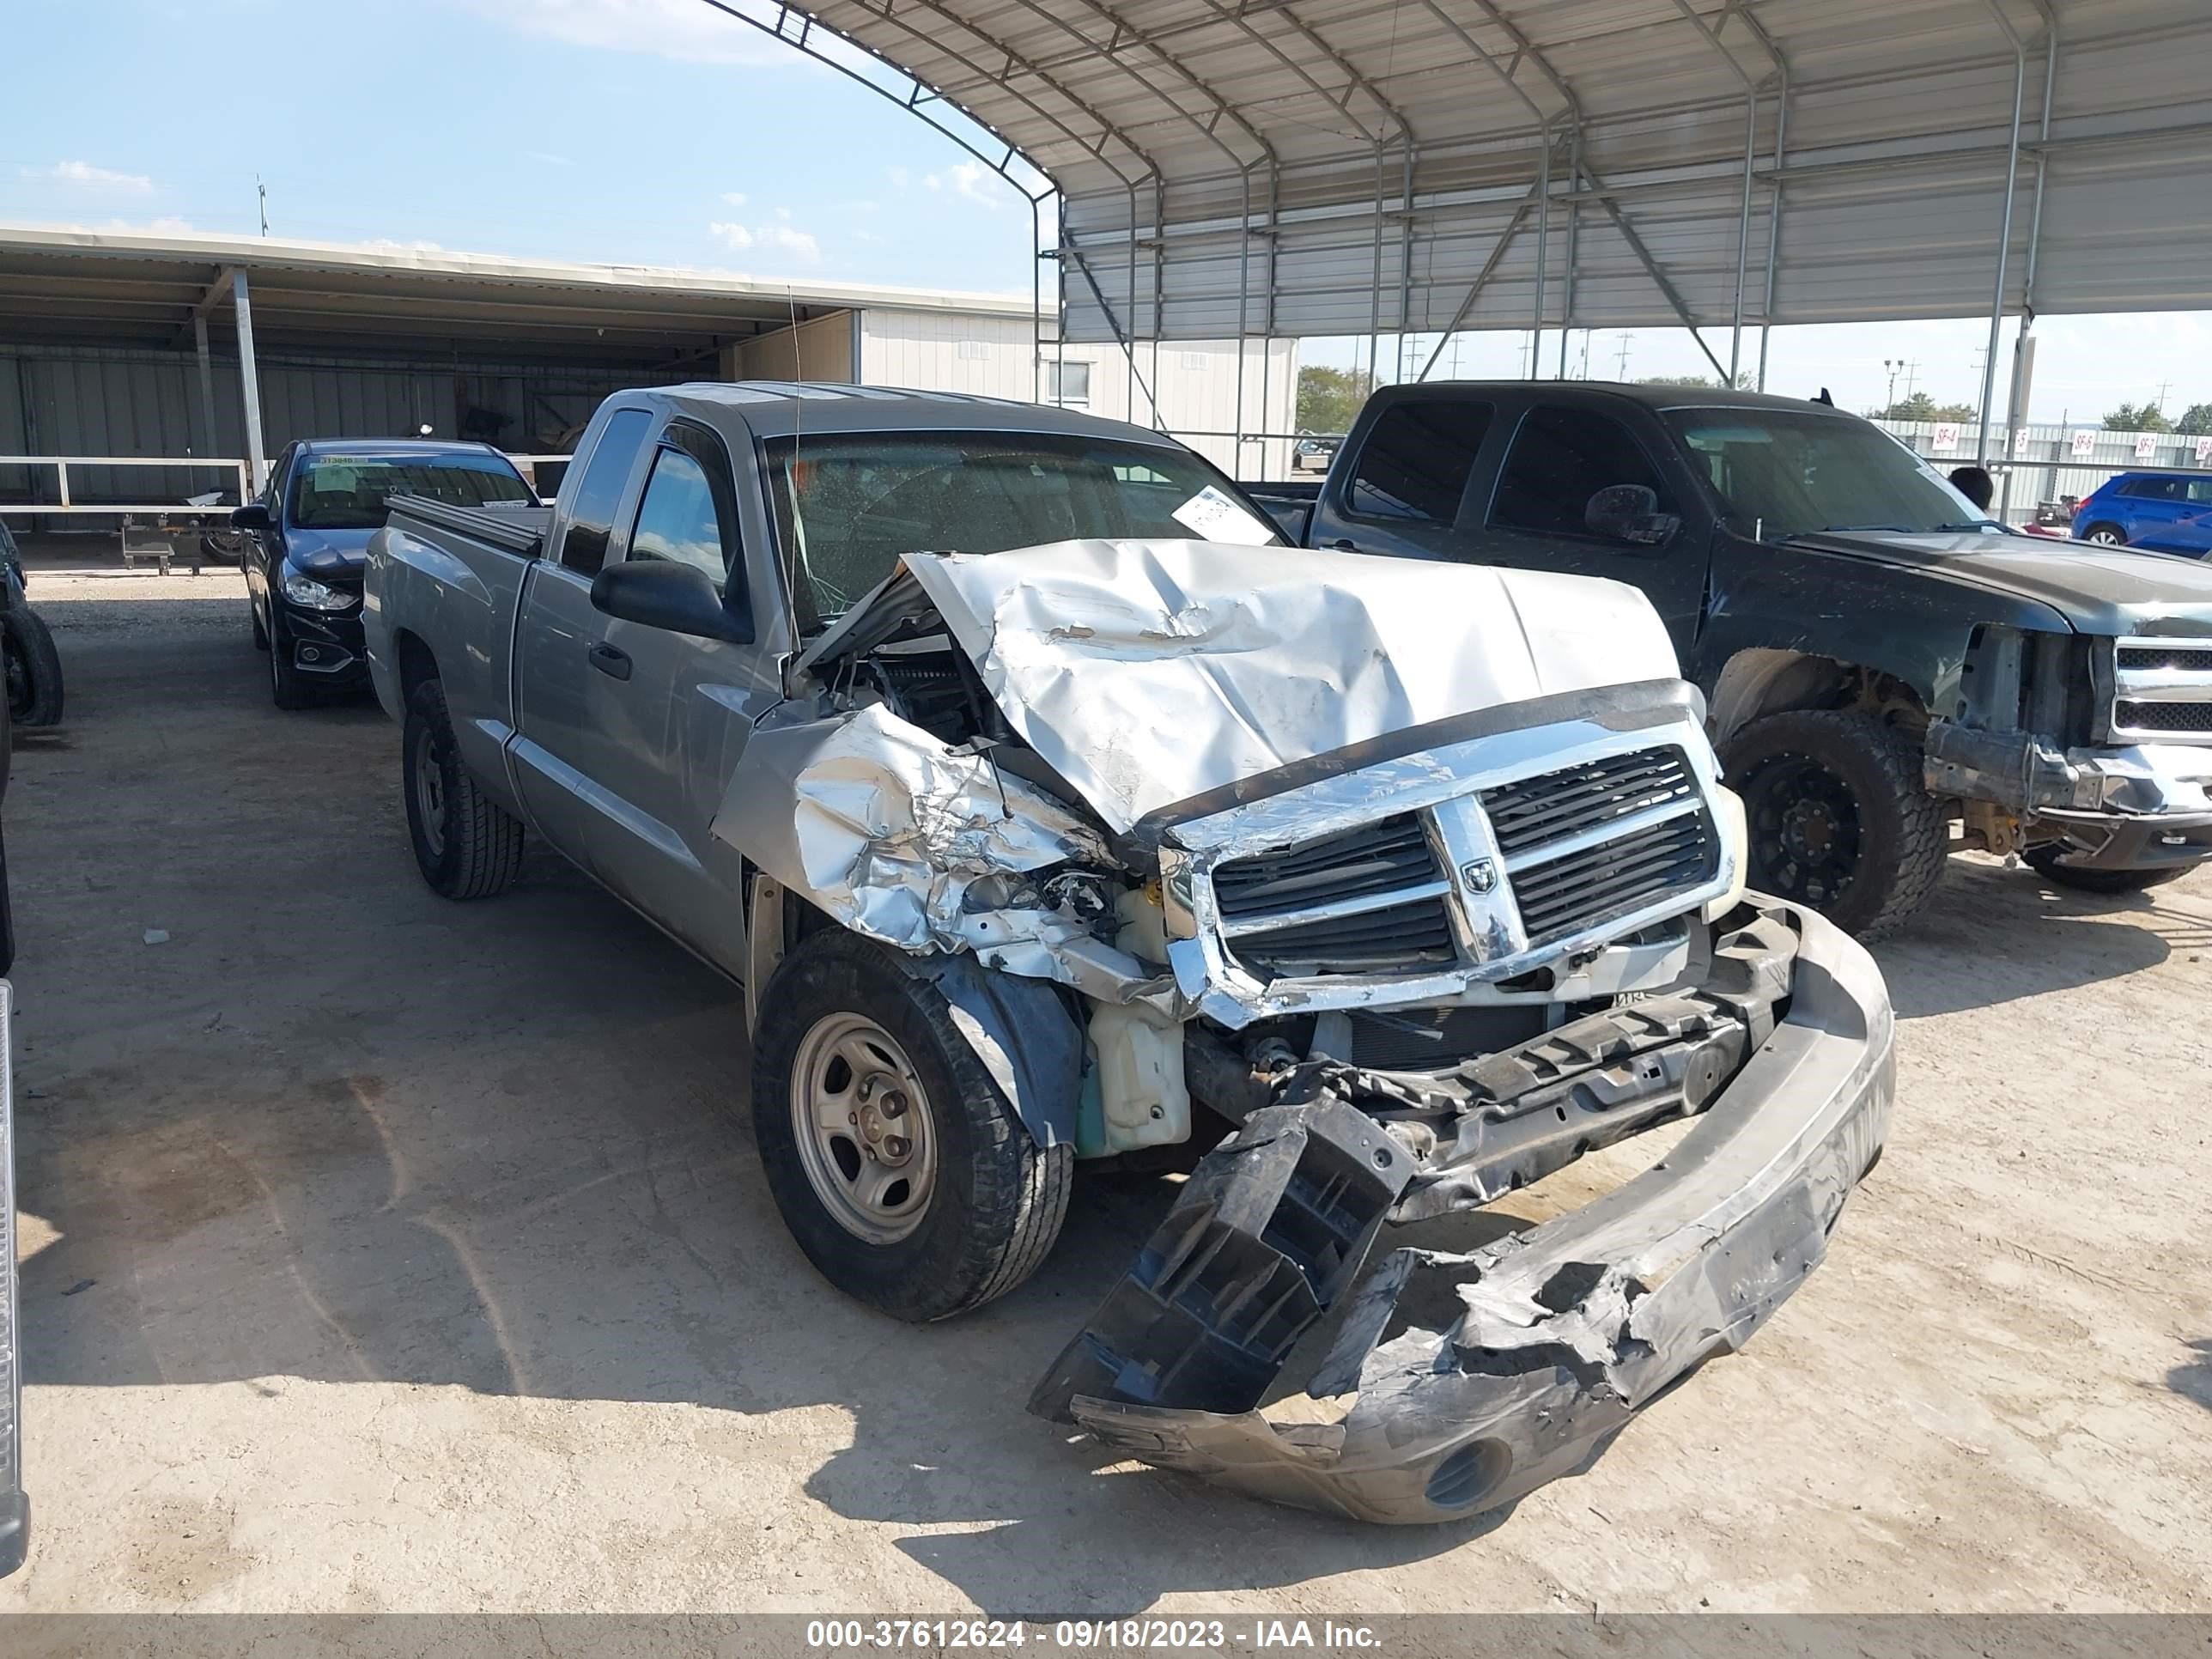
(899, 1167)
(1839, 819)
(2049, 861)
(466, 844)
(34, 668)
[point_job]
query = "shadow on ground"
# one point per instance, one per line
(2192, 1378)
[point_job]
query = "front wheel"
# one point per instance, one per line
(288, 687)
(35, 667)
(1838, 816)
(899, 1166)
(2048, 860)
(466, 844)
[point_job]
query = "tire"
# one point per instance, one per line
(288, 687)
(1839, 818)
(2105, 535)
(2047, 861)
(260, 633)
(33, 666)
(991, 1199)
(466, 844)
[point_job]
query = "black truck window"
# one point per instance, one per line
(1413, 466)
(591, 517)
(1560, 458)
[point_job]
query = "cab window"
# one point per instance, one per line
(1413, 467)
(687, 514)
(1560, 458)
(592, 514)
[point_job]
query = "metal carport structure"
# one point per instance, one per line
(1265, 168)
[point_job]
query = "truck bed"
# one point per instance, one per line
(511, 527)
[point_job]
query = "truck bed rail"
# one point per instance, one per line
(517, 529)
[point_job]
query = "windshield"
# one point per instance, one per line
(849, 504)
(1780, 475)
(347, 492)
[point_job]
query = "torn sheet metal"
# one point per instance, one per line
(907, 841)
(1149, 672)
(1564, 1331)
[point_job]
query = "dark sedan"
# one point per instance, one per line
(307, 536)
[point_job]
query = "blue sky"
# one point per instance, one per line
(661, 132)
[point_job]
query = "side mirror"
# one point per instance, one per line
(1629, 512)
(662, 593)
(252, 516)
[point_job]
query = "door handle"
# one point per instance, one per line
(611, 660)
(1341, 545)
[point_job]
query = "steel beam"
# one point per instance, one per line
(249, 378)
(2004, 224)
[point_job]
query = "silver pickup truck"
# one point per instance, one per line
(1048, 809)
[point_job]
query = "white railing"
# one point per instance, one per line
(237, 470)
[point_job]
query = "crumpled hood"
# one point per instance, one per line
(2098, 590)
(1149, 672)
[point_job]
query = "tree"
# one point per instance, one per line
(1921, 407)
(2137, 417)
(1328, 398)
(1743, 381)
(2196, 421)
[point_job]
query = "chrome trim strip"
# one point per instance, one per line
(1351, 907)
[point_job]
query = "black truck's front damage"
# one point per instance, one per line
(1784, 1054)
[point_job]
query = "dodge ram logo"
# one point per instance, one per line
(1480, 874)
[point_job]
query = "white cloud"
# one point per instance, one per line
(783, 239)
(548, 157)
(686, 30)
(969, 179)
(82, 175)
(901, 176)
(734, 198)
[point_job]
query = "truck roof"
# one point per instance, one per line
(826, 406)
(1652, 395)
(392, 446)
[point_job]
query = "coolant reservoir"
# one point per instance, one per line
(1144, 931)
(1141, 1084)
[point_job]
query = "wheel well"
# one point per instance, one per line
(1763, 681)
(415, 663)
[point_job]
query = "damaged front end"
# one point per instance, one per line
(1563, 1332)
(1423, 925)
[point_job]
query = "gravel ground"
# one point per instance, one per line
(382, 1253)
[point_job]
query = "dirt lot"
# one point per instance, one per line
(384, 1253)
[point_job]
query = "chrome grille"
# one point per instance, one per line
(1564, 896)
(2150, 653)
(2164, 716)
(1532, 813)
(1367, 901)
(1587, 843)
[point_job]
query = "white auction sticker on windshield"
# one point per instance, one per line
(1216, 518)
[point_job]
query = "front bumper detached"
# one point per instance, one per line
(1562, 1333)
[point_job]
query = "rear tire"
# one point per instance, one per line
(33, 666)
(2047, 861)
(1839, 818)
(2105, 535)
(466, 844)
(995, 1200)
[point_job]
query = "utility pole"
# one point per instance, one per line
(1622, 372)
(262, 190)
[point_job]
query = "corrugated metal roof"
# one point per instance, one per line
(1324, 167)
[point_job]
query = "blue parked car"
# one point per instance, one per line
(2160, 512)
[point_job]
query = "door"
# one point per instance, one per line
(1544, 513)
(668, 714)
(2189, 528)
(1403, 492)
(555, 632)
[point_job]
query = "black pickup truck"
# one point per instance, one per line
(1881, 661)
